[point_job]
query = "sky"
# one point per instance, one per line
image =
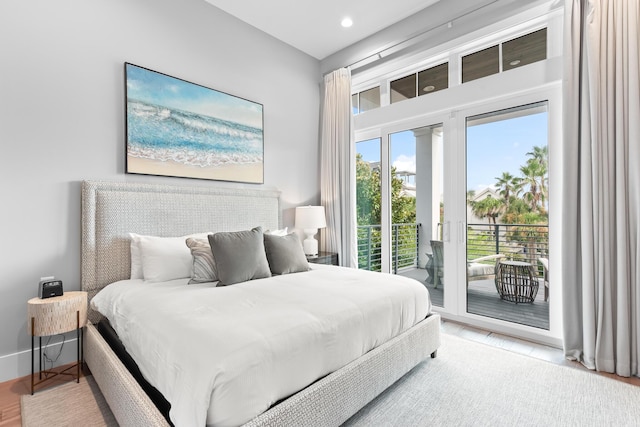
(492, 148)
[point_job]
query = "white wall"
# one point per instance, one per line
(62, 121)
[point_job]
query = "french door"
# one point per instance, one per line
(400, 204)
(507, 215)
(454, 200)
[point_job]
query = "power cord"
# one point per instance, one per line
(46, 358)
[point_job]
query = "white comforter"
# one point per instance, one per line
(223, 355)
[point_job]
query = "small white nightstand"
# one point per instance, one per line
(52, 316)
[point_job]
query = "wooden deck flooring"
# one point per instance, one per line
(483, 299)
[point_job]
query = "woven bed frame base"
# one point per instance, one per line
(328, 402)
(129, 403)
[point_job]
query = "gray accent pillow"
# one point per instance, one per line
(204, 266)
(285, 254)
(239, 256)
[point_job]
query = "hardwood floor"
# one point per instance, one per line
(11, 391)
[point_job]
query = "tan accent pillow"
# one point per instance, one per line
(204, 266)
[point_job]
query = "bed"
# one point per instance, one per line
(110, 211)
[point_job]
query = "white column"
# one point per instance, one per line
(428, 186)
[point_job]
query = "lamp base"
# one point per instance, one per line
(310, 246)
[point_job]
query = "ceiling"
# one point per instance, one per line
(314, 26)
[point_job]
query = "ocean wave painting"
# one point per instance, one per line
(177, 128)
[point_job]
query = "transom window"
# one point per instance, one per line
(503, 56)
(515, 53)
(365, 100)
(421, 83)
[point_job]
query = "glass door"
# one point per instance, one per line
(400, 210)
(368, 204)
(507, 225)
(417, 209)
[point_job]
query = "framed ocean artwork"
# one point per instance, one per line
(181, 129)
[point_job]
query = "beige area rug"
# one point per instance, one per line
(468, 384)
(473, 384)
(67, 405)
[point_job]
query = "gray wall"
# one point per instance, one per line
(62, 121)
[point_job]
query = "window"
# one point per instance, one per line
(508, 213)
(433, 79)
(481, 64)
(520, 51)
(365, 100)
(524, 50)
(403, 88)
(368, 196)
(421, 83)
(455, 137)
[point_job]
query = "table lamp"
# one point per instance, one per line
(309, 219)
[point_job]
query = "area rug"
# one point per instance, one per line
(472, 384)
(468, 384)
(70, 404)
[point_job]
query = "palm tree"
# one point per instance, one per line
(508, 186)
(540, 154)
(488, 208)
(533, 174)
(471, 194)
(540, 157)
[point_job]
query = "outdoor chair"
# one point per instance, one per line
(438, 262)
(545, 276)
(476, 269)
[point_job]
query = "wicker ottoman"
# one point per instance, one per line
(516, 281)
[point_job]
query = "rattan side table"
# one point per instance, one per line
(52, 316)
(516, 281)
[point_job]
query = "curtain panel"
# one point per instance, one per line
(601, 184)
(337, 169)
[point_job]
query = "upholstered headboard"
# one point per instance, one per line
(111, 210)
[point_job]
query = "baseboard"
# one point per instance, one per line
(18, 365)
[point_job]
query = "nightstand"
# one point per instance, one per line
(330, 258)
(52, 316)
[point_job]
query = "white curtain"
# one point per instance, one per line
(601, 185)
(337, 169)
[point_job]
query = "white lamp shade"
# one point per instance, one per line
(310, 217)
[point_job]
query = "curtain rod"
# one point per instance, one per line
(384, 52)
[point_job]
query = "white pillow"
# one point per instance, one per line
(136, 258)
(282, 232)
(159, 259)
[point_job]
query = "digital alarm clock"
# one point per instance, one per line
(50, 287)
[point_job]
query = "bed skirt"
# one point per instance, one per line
(327, 402)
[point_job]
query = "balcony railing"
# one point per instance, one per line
(404, 242)
(523, 242)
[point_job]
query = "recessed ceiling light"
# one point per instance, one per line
(429, 88)
(515, 62)
(346, 22)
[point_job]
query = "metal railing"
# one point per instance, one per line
(522, 242)
(404, 245)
